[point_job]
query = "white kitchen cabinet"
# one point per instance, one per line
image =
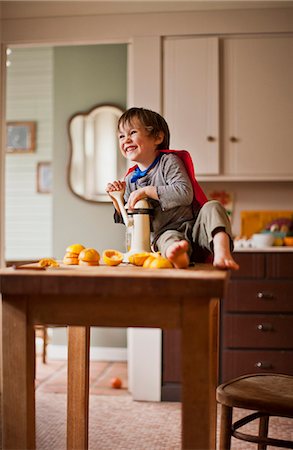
(258, 106)
(229, 101)
(191, 99)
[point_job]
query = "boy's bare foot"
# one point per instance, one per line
(222, 254)
(177, 253)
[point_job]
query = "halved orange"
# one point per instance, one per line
(48, 262)
(75, 248)
(112, 257)
(138, 258)
(160, 263)
(151, 258)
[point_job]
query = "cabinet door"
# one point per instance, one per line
(258, 106)
(191, 99)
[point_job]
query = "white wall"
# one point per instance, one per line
(28, 214)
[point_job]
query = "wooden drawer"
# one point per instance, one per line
(238, 362)
(259, 296)
(258, 331)
(252, 265)
(280, 265)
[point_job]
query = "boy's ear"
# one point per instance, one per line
(160, 137)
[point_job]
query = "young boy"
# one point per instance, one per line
(181, 231)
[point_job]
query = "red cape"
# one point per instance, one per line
(199, 196)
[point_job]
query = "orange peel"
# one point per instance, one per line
(112, 257)
(138, 259)
(48, 262)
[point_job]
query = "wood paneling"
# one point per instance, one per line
(28, 214)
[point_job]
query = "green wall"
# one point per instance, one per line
(85, 76)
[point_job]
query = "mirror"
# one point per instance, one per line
(95, 158)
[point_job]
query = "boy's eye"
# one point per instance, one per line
(120, 136)
(133, 131)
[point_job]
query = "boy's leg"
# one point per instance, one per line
(174, 246)
(212, 230)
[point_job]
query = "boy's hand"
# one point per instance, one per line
(116, 186)
(139, 194)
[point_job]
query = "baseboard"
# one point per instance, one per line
(171, 392)
(59, 352)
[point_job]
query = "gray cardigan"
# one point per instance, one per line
(175, 192)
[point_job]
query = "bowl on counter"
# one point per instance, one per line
(262, 240)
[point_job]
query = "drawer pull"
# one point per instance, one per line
(264, 327)
(264, 295)
(263, 365)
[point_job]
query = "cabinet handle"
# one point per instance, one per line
(264, 327)
(264, 295)
(234, 139)
(263, 365)
(211, 139)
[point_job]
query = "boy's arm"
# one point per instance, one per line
(140, 193)
(174, 188)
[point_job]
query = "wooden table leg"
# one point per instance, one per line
(18, 395)
(198, 374)
(78, 388)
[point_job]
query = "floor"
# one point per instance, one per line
(52, 377)
(51, 380)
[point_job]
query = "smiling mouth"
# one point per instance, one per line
(130, 149)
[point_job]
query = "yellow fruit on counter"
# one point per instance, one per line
(112, 257)
(150, 259)
(75, 248)
(48, 262)
(89, 257)
(288, 240)
(138, 258)
(72, 253)
(160, 263)
(156, 261)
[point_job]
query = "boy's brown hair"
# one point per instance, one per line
(152, 121)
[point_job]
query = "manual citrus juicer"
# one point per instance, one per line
(137, 221)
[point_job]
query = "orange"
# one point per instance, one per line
(160, 263)
(75, 248)
(288, 240)
(89, 256)
(150, 259)
(112, 257)
(48, 262)
(116, 383)
(138, 258)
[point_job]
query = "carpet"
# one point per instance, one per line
(119, 423)
(114, 423)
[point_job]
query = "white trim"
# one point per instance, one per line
(144, 363)
(59, 352)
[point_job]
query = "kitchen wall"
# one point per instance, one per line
(28, 213)
(254, 196)
(48, 85)
(84, 76)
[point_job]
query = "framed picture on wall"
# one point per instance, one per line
(44, 177)
(21, 137)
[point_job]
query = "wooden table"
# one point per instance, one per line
(120, 296)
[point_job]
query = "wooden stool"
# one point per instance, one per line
(42, 331)
(268, 394)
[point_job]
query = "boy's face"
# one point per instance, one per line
(136, 144)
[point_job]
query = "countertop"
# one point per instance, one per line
(272, 249)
